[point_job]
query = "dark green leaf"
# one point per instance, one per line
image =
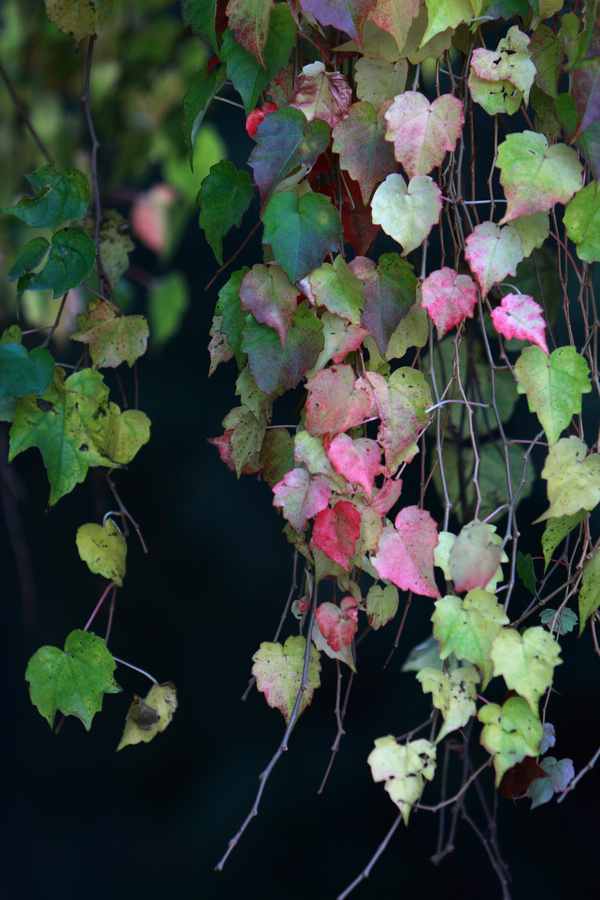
(58, 198)
(72, 681)
(300, 231)
(229, 306)
(225, 195)
(29, 258)
(278, 369)
(390, 291)
(285, 139)
(24, 373)
(196, 102)
(201, 16)
(70, 261)
(526, 572)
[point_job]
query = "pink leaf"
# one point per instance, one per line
(336, 532)
(321, 95)
(448, 298)
(359, 461)
(338, 624)
(301, 497)
(423, 132)
(151, 216)
(338, 401)
(519, 316)
(493, 253)
(384, 499)
(405, 553)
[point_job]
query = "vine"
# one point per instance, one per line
(426, 175)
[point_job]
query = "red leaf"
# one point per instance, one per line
(249, 22)
(359, 461)
(321, 95)
(253, 121)
(338, 624)
(405, 553)
(358, 227)
(519, 316)
(336, 532)
(516, 781)
(448, 298)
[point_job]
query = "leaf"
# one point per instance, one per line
(300, 231)
(80, 19)
(499, 80)
(390, 290)
(413, 331)
(112, 337)
(338, 624)
(346, 15)
(23, 372)
(228, 323)
(407, 213)
(405, 552)
(168, 302)
(70, 432)
(103, 548)
(526, 661)
(423, 132)
(204, 88)
(335, 287)
(225, 195)
(585, 89)
(58, 198)
(516, 781)
(338, 401)
(278, 369)
(582, 221)
(278, 672)
(336, 532)
(249, 77)
(573, 478)
(403, 768)
(358, 460)
(395, 17)
(448, 298)
(70, 260)
(276, 455)
(559, 623)
(271, 298)
(115, 242)
(475, 556)
(246, 435)
(536, 177)
(556, 531)
(533, 230)
(526, 572)
(589, 592)
(320, 94)
(201, 16)
(381, 604)
(249, 21)
(442, 15)
(377, 80)
(146, 718)
(128, 431)
(519, 316)
(468, 628)
(364, 153)
(493, 253)
(301, 497)
(510, 733)
(402, 403)
(559, 773)
(454, 694)
(553, 386)
(72, 681)
(285, 139)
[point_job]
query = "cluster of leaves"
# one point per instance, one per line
(365, 129)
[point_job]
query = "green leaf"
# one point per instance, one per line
(338, 290)
(249, 77)
(269, 295)
(589, 593)
(249, 21)
(454, 694)
(556, 531)
(228, 324)
(564, 624)
(285, 140)
(468, 628)
(526, 572)
(115, 243)
(510, 733)
(248, 432)
(68, 425)
(526, 661)
(553, 386)
(403, 768)
(225, 195)
(70, 261)
(24, 373)
(443, 14)
(382, 605)
(127, 432)
(206, 86)
(278, 369)
(168, 302)
(201, 15)
(146, 718)
(112, 337)
(582, 221)
(278, 672)
(407, 212)
(103, 549)
(535, 176)
(58, 198)
(573, 478)
(300, 231)
(30, 257)
(72, 681)
(79, 19)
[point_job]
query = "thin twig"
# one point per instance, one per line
(368, 868)
(23, 113)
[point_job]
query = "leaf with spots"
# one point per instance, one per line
(404, 769)
(423, 132)
(103, 549)
(510, 733)
(112, 337)
(278, 672)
